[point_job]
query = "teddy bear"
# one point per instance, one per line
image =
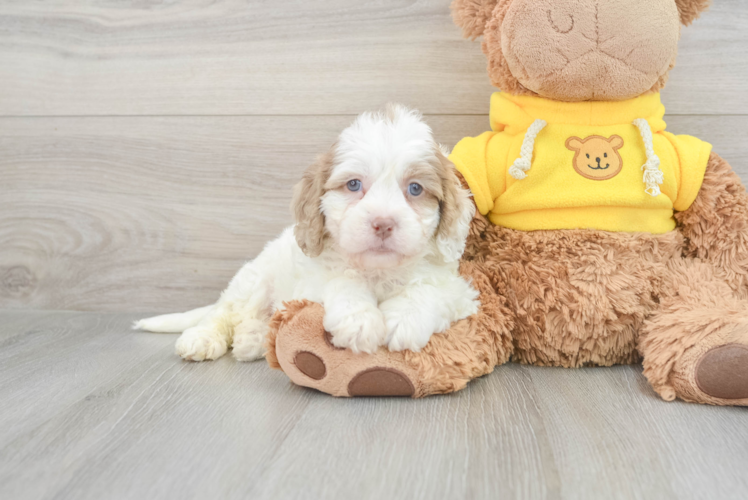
(599, 237)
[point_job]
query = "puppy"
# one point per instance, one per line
(381, 222)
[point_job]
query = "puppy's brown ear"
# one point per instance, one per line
(456, 212)
(472, 16)
(306, 205)
(690, 10)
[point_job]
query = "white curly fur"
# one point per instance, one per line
(395, 291)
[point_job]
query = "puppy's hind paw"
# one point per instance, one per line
(249, 340)
(200, 344)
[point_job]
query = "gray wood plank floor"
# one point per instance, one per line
(93, 410)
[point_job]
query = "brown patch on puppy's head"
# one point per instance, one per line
(306, 205)
(443, 191)
(456, 211)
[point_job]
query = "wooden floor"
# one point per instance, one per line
(148, 149)
(92, 410)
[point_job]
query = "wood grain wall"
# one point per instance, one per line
(148, 148)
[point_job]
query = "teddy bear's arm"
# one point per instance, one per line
(716, 224)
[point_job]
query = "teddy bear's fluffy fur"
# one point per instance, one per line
(572, 298)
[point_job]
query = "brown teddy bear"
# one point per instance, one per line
(599, 237)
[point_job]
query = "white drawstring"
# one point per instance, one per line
(653, 176)
(523, 163)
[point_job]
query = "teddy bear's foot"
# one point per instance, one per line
(723, 372)
(695, 347)
(715, 370)
(711, 368)
(299, 345)
(470, 348)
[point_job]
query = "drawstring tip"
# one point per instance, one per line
(517, 173)
(653, 176)
(524, 162)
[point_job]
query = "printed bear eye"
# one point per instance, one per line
(354, 185)
(415, 189)
(588, 155)
(606, 155)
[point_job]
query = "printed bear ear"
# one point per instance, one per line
(691, 9)
(574, 143)
(472, 16)
(616, 141)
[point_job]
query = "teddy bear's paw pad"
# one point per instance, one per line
(381, 382)
(310, 365)
(723, 372)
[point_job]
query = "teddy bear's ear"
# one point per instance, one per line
(472, 16)
(691, 9)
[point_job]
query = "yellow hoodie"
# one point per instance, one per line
(588, 165)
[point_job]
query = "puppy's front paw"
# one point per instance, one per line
(407, 328)
(200, 343)
(360, 329)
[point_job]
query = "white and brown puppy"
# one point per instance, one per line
(381, 224)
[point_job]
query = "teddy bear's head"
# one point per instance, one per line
(578, 50)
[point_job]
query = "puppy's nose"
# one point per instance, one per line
(383, 226)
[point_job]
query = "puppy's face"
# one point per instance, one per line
(384, 194)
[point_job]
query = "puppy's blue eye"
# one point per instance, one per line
(415, 189)
(354, 185)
